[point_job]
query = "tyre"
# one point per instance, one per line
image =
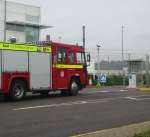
(18, 90)
(74, 88)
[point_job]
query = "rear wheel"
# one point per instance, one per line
(18, 90)
(74, 88)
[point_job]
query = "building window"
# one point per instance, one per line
(13, 27)
(32, 34)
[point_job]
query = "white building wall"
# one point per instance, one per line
(23, 13)
(17, 12)
(2, 20)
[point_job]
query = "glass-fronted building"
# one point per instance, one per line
(22, 22)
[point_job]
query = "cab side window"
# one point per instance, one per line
(80, 58)
(71, 58)
(62, 56)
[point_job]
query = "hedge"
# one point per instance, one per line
(114, 80)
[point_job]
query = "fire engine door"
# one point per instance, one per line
(61, 78)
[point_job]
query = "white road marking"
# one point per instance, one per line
(132, 98)
(101, 91)
(145, 95)
(139, 98)
(123, 90)
(63, 104)
(105, 91)
(82, 102)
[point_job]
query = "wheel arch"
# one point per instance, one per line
(19, 78)
(77, 78)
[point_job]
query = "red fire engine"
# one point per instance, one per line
(41, 69)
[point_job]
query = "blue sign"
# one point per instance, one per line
(103, 78)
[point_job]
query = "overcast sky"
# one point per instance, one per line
(103, 20)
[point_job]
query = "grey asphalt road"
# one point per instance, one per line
(59, 116)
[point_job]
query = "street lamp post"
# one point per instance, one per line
(98, 63)
(83, 31)
(123, 56)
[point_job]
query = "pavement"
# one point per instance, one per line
(124, 131)
(63, 116)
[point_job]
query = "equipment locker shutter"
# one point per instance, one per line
(40, 70)
(14, 61)
(0, 69)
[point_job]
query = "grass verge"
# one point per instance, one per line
(144, 89)
(145, 134)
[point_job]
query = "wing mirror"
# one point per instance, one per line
(88, 58)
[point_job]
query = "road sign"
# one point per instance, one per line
(103, 78)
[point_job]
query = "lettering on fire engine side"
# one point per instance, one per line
(69, 66)
(24, 47)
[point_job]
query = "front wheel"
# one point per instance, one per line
(18, 90)
(74, 88)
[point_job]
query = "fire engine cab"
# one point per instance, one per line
(41, 69)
